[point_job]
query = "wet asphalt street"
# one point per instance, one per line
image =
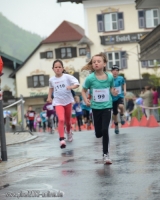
(78, 172)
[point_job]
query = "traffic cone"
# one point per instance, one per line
(125, 125)
(152, 122)
(143, 121)
(134, 122)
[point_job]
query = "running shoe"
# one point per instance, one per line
(122, 118)
(69, 136)
(53, 130)
(106, 159)
(62, 144)
(116, 130)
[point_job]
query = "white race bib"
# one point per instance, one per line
(31, 114)
(60, 86)
(78, 109)
(119, 89)
(101, 95)
(49, 107)
(44, 114)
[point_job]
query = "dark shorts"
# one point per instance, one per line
(86, 114)
(116, 104)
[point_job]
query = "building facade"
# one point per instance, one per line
(116, 27)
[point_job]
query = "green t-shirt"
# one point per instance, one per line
(100, 91)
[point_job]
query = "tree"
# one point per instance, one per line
(155, 77)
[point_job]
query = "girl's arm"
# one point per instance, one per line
(72, 87)
(114, 92)
(124, 88)
(84, 96)
(49, 99)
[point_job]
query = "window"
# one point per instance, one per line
(66, 52)
(148, 18)
(150, 63)
(117, 58)
(110, 22)
(47, 54)
(82, 52)
(38, 81)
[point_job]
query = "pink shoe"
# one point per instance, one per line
(69, 136)
(62, 144)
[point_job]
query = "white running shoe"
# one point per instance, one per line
(62, 144)
(106, 159)
(69, 136)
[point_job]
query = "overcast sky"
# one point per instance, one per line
(41, 16)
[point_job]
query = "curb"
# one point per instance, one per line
(23, 141)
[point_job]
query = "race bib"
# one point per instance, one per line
(73, 112)
(119, 89)
(78, 109)
(49, 107)
(44, 114)
(38, 119)
(100, 95)
(60, 86)
(31, 114)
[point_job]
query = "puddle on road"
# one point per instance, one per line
(68, 153)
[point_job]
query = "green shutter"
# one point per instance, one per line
(30, 81)
(58, 53)
(76, 75)
(74, 52)
(46, 80)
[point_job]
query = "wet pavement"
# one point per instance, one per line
(78, 171)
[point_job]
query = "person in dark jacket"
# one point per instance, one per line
(130, 107)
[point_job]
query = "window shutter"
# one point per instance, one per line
(123, 60)
(46, 80)
(100, 23)
(43, 55)
(74, 52)
(120, 21)
(58, 53)
(141, 18)
(76, 75)
(30, 81)
(144, 63)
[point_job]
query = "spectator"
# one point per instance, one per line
(147, 97)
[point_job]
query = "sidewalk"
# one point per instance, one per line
(19, 138)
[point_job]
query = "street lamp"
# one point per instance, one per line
(2, 130)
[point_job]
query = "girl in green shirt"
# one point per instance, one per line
(101, 87)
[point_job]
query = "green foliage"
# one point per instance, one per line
(137, 113)
(146, 75)
(155, 77)
(15, 41)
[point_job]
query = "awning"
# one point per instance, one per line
(150, 45)
(143, 4)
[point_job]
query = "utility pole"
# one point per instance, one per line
(2, 130)
(140, 82)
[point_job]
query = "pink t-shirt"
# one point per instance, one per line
(155, 97)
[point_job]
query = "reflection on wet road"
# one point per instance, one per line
(78, 170)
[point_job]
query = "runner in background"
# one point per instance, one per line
(31, 115)
(61, 85)
(118, 101)
(73, 119)
(86, 112)
(51, 115)
(43, 117)
(78, 109)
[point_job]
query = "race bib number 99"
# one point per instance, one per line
(101, 95)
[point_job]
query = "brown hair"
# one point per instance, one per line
(154, 88)
(56, 62)
(89, 66)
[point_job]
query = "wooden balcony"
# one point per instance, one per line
(150, 45)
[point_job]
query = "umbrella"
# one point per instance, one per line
(130, 95)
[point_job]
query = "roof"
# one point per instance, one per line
(65, 32)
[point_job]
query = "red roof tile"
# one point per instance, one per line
(65, 32)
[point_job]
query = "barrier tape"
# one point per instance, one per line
(153, 108)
